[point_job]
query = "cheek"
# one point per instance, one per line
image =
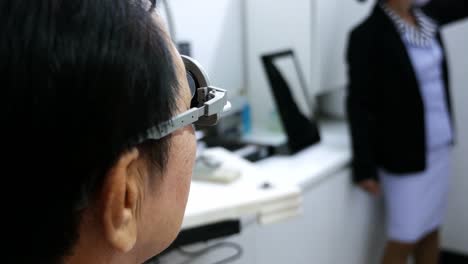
(166, 208)
(189, 161)
(184, 159)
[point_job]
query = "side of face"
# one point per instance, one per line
(165, 202)
(141, 208)
(166, 196)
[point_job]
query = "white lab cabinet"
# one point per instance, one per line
(339, 224)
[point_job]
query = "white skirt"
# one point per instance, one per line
(416, 203)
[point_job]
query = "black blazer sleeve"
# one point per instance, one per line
(447, 11)
(361, 106)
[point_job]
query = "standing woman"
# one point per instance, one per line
(401, 119)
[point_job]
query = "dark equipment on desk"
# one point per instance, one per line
(206, 233)
(230, 130)
(301, 131)
(231, 126)
(201, 234)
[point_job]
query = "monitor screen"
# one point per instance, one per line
(292, 99)
(288, 68)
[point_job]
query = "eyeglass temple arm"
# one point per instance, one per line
(184, 119)
(204, 115)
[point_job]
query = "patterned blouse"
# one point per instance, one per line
(420, 35)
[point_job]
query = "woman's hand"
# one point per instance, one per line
(371, 186)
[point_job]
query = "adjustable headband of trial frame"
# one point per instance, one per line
(212, 98)
(212, 102)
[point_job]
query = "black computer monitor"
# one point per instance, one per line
(292, 99)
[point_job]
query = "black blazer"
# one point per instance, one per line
(384, 104)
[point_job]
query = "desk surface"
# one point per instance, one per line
(314, 164)
(211, 202)
(288, 176)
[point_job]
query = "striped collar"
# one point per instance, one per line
(418, 36)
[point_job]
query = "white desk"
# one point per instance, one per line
(314, 164)
(210, 203)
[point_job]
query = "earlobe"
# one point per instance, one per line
(119, 203)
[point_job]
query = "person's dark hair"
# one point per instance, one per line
(79, 79)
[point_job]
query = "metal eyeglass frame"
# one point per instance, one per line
(212, 101)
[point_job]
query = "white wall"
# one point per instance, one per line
(214, 28)
(456, 227)
(317, 30)
(336, 18)
(273, 26)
